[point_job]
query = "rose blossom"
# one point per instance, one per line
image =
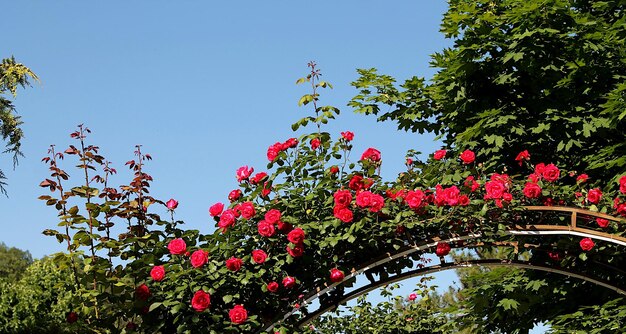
(415, 199)
(467, 157)
(258, 177)
(272, 216)
(157, 273)
(377, 202)
(243, 173)
(412, 296)
(296, 251)
(199, 258)
(347, 135)
(586, 244)
(602, 222)
(524, 155)
(290, 143)
(177, 246)
(216, 209)
(363, 199)
(551, 173)
(471, 183)
(343, 214)
(371, 154)
(582, 178)
(342, 198)
(315, 143)
(234, 264)
(336, 275)
(539, 168)
(227, 219)
(172, 204)
(284, 227)
(71, 317)
(266, 229)
(439, 154)
(334, 170)
(532, 190)
(200, 301)
(442, 249)
(272, 287)
(234, 195)
(464, 200)
(247, 210)
(594, 195)
(289, 282)
(494, 189)
(622, 184)
(273, 151)
(142, 292)
(296, 236)
(259, 256)
(238, 314)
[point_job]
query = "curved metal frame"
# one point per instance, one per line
(530, 230)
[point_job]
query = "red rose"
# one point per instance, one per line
(334, 170)
(539, 168)
(534, 177)
(464, 200)
(555, 256)
(356, 183)
(273, 151)
(409, 161)
(442, 249)
(267, 188)
(343, 214)
(451, 195)
(296, 236)
(343, 198)
(524, 155)
(347, 135)
(200, 301)
(415, 199)
(412, 296)
(622, 184)
(315, 143)
(290, 143)
(395, 194)
(551, 173)
(284, 227)
(247, 210)
(377, 202)
(440, 154)
(494, 189)
(336, 275)
(371, 154)
(363, 199)
(582, 178)
(289, 282)
(234, 195)
(177, 246)
(199, 258)
(468, 157)
(602, 222)
(272, 216)
(157, 273)
(227, 219)
(266, 229)
(172, 204)
(216, 209)
(243, 173)
(272, 287)
(507, 197)
(142, 292)
(296, 251)
(71, 317)
(532, 190)
(258, 177)
(471, 183)
(594, 195)
(234, 264)
(259, 256)
(586, 244)
(238, 314)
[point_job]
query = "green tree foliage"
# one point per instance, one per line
(12, 76)
(547, 76)
(38, 301)
(13, 262)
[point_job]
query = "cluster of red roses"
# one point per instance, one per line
(274, 150)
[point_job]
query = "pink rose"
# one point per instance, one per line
(586, 244)
(177, 246)
(199, 258)
(157, 273)
(243, 173)
(371, 154)
(440, 154)
(266, 229)
(467, 157)
(347, 135)
(234, 264)
(216, 209)
(259, 256)
(172, 204)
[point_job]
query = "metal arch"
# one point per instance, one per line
(454, 265)
(530, 230)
